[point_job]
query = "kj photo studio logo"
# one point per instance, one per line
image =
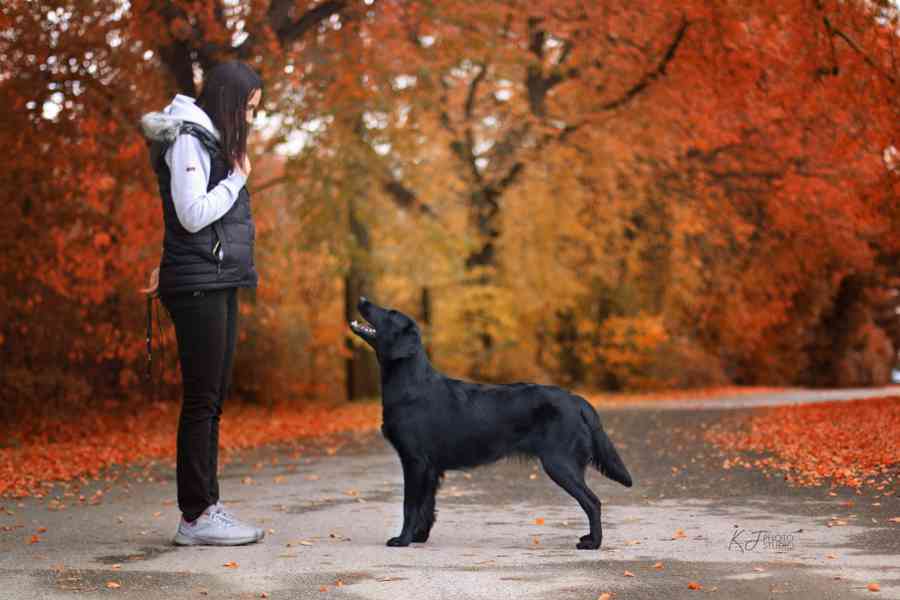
(760, 540)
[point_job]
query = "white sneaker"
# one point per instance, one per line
(220, 508)
(212, 528)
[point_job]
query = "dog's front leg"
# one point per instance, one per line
(413, 488)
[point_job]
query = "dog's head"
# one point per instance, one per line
(392, 334)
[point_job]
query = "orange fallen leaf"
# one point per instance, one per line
(230, 565)
(679, 534)
(113, 585)
(41, 529)
(873, 587)
(604, 596)
(539, 521)
(339, 583)
(694, 586)
(536, 541)
(628, 574)
(658, 566)
(323, 589)
(34, 539)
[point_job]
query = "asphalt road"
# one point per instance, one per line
(504, 531)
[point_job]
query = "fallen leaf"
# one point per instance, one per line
(759, 569)
(539, 521)
(679, 534)
(658, 566)
(323, 589)
(873, 587)
(41, 529)
(628, 574)
(34, 539)
(113, 585)
(230, 565)
(604, 596)
(694, 586)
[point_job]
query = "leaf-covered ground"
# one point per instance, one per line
(50, 451)
(853, 443)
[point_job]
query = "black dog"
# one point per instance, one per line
(437, 423)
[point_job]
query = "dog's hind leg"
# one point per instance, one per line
(414, 490)
(567, 474)
(428, 515)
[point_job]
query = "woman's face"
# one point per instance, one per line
(253, 105)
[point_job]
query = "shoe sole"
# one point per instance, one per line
(183, 540)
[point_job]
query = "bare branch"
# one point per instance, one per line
(653, 75)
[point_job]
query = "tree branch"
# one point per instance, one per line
(653, 75)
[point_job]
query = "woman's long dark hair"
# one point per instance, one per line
(226, 89)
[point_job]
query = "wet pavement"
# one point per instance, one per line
(504, 531)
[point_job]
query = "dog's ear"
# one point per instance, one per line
(405, 344)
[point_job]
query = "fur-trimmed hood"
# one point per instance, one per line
(164, 125)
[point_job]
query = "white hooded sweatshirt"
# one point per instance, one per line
(189, 164)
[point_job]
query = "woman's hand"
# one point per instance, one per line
(244, 168)
(152, 289)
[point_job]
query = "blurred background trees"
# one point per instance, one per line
(616, 195)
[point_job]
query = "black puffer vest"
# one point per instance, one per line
(221, 254)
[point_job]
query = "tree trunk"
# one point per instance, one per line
(363, 376)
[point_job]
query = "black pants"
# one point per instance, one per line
(206, 330)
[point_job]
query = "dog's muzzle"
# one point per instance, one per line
(363, 328)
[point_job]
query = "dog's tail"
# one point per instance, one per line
(605, 458)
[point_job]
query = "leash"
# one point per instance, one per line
(152, 295)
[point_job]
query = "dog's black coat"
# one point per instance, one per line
(437, 423)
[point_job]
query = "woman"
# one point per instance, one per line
(198, 150)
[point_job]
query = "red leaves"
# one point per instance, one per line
(83, 447)
(852, 443)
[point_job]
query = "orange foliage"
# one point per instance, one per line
(49, 451)
(851, 443)
(692, 180)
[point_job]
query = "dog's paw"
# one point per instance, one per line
(397, 542)
(588, 543)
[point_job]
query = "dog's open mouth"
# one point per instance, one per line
(362, 328)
